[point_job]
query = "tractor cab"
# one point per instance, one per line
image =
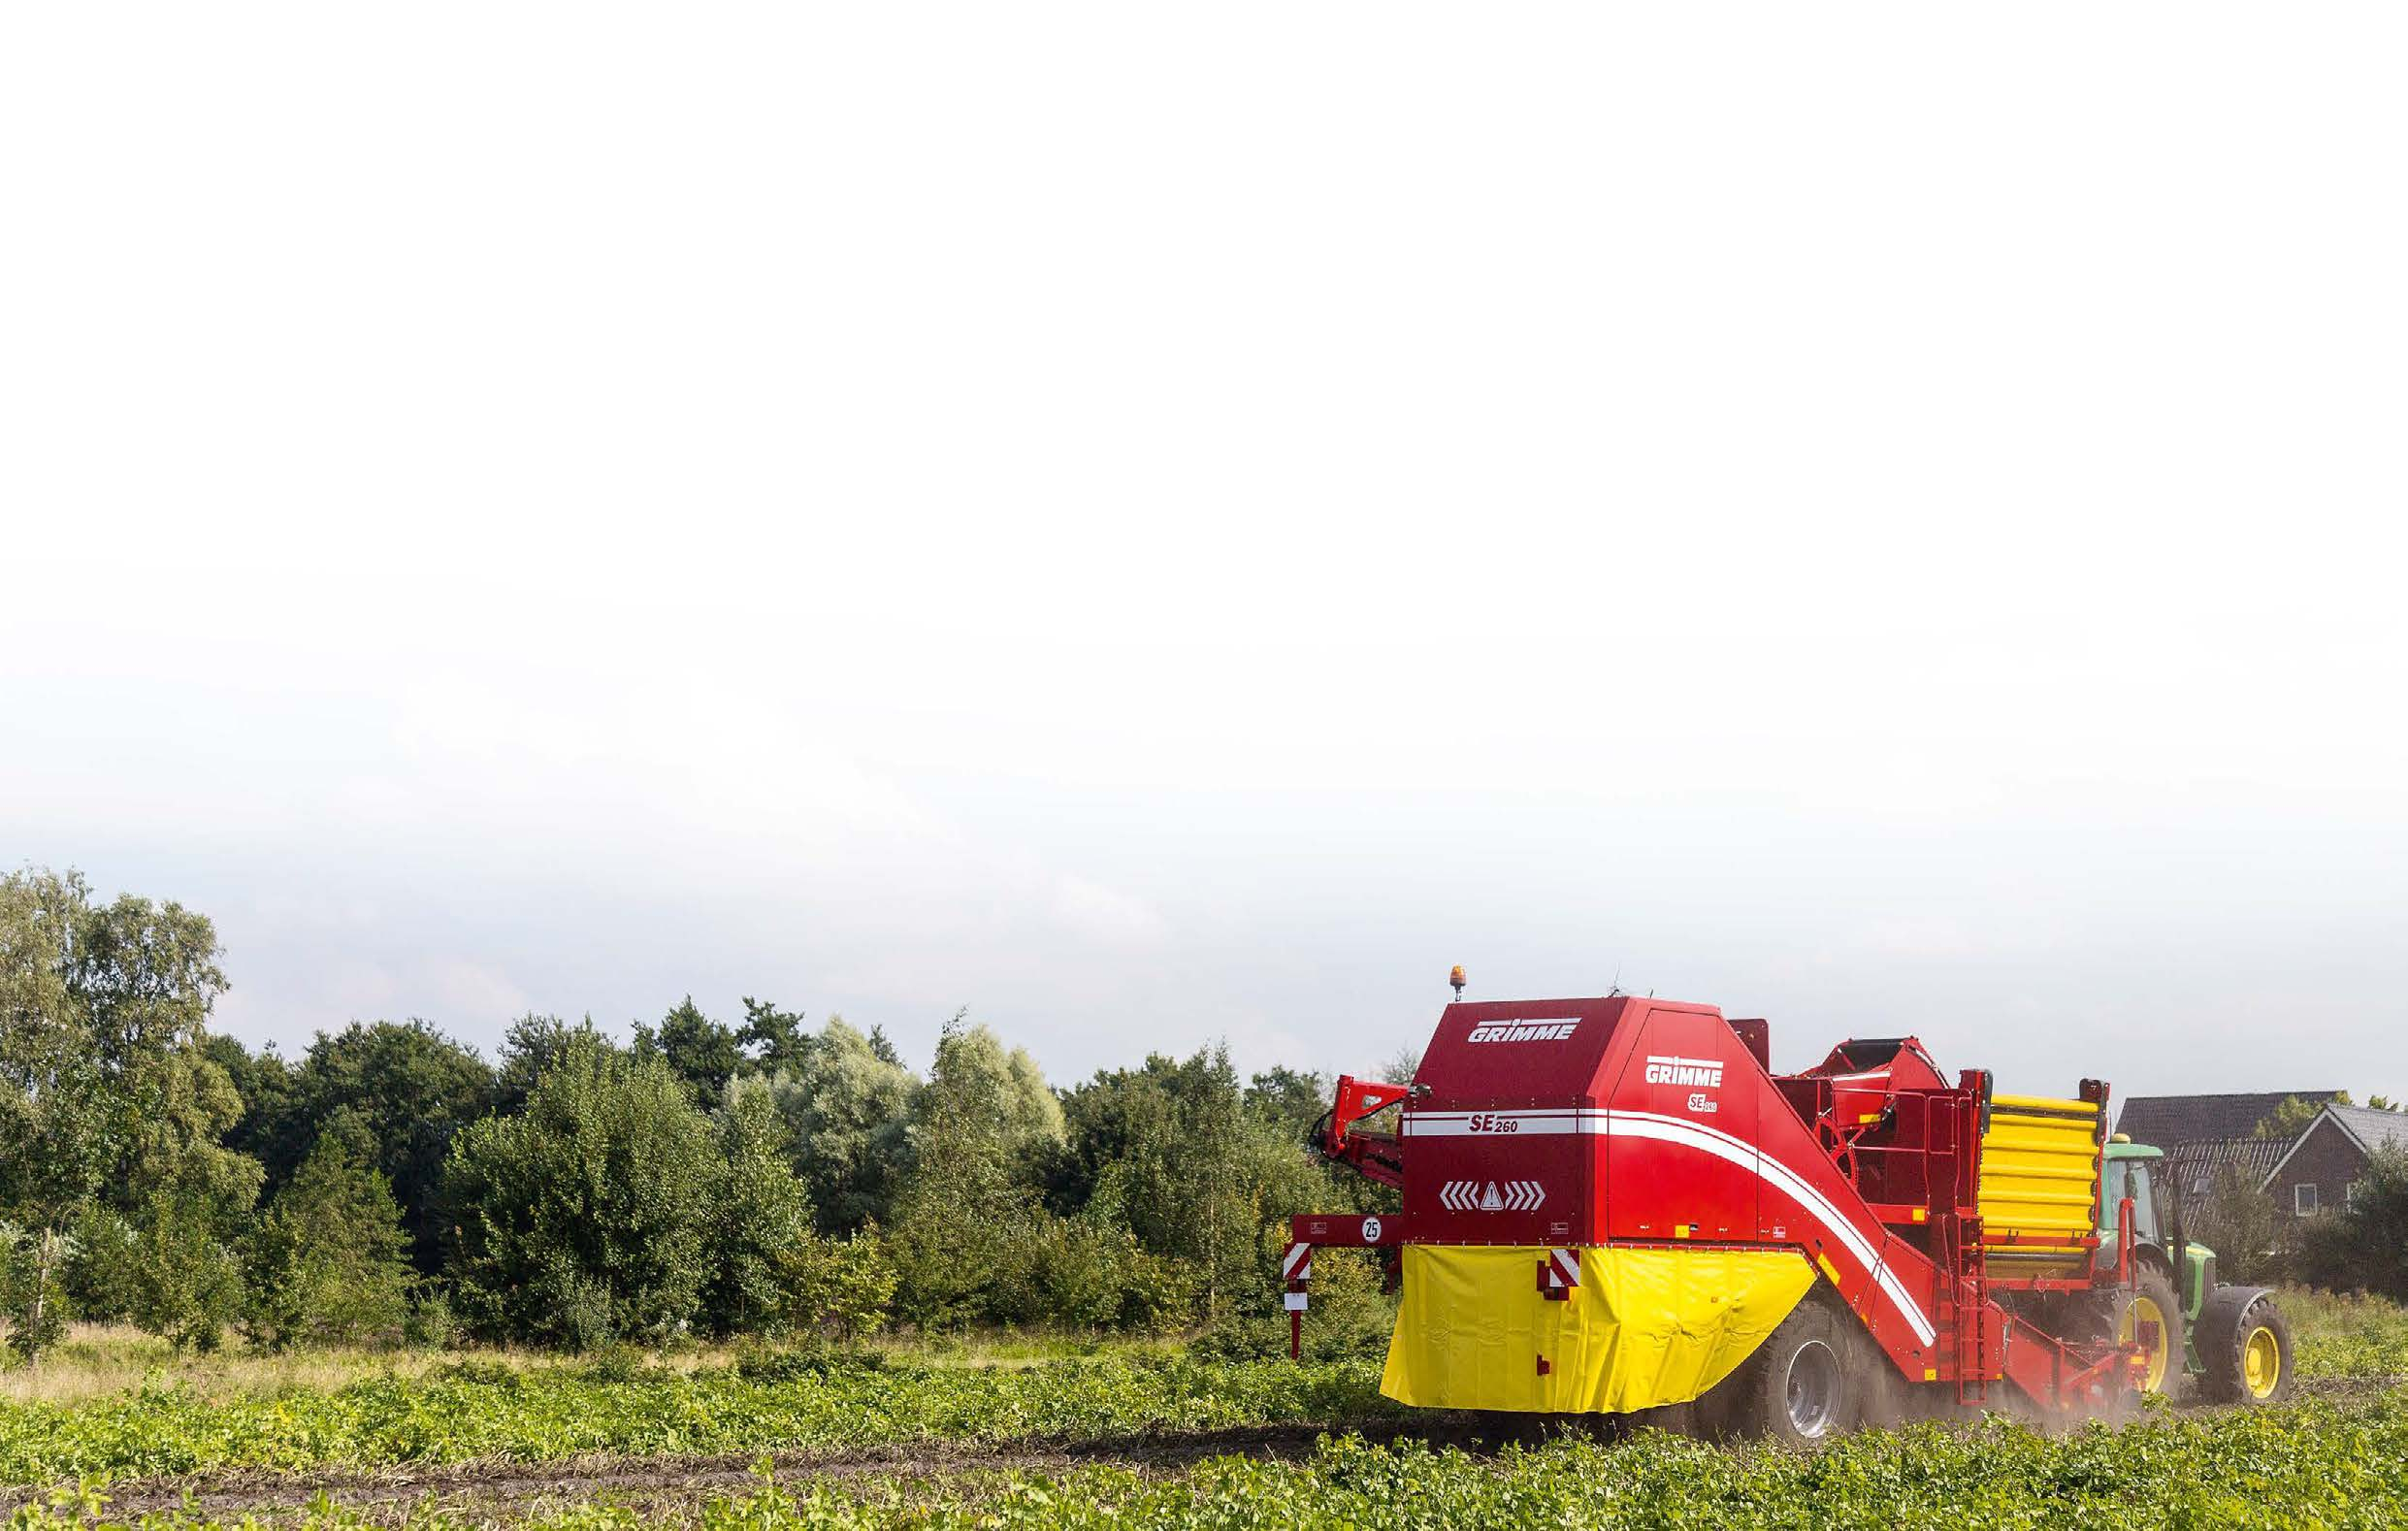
(2134, 1170)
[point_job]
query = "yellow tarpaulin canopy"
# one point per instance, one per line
(1646, 1326)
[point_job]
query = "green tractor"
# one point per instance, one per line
(2233, 1340)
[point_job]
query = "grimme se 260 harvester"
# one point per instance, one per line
(1613, 1205)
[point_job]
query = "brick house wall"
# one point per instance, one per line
(2326, 1158)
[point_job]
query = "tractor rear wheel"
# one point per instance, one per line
(2245, 1344)
(2150, 1303)
(1805, 1383)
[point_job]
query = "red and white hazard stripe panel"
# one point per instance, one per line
(1559, 1274)
(1297, 1264)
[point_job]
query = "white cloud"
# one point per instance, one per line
(1161, 528)
(1092, 910)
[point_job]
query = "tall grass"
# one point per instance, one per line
(2347, 1334)
(98, 1360)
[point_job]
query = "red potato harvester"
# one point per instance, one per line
(1613, 1205)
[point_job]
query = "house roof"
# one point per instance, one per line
(2368, 1128)
(2373, 1129)
(2202, 1160)
(2167, 1120)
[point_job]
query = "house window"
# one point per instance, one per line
(2349, 1197)
(2303, 1199)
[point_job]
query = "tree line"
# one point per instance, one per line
(710, 1178)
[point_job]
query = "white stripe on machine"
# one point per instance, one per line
(1687, 1134)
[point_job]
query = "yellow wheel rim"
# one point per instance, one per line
(2144, 1310)
(2262, 1362)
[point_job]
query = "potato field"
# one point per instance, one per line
(901, 1438)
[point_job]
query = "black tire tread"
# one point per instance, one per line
(2150, 1282)
(1753, 1401)
(2229, 1315)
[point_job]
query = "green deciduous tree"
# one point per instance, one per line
(761, 1215)
(983, 1131)
(264, 1082)
(1085, 1273)
(1289, 1100)
(847, 1114)
(1172, 1152)
(192, 1197)
(2291, 1118)
(107, 1098)
(2237, 1220)
(836, 1288)
(33, 1286)
(532, 1043)
(775, 1037)
(404, 1088)
(327, 1262)
(185, 1281)
(699, 1050)
(587, 1219)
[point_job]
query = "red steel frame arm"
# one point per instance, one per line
(1375, 1157)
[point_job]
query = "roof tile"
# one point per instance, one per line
(2167, 1120)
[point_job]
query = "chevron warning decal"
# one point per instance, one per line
(1493, 1195)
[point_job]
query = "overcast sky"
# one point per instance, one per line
(1159, 525)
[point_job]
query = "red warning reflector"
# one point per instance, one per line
(1297, 1264)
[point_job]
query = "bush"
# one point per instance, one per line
(430, 1324)
(836, 1288)
(1351, 1316)
(33, 1297)
(100, 1270)
(328, 1259)
(185, 1281)
(586, 1220)
(2237, 1220)
(759, 1217)
(1081, 1274)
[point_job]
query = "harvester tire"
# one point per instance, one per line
(1804, 1384)
(2244, 1342)
(2151, 1297)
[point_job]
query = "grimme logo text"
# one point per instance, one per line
(1523, 1031)
(1707, 1071)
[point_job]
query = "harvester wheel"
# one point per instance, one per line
(2245, 1344)
(2151, 1301)
(1804, 1383)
